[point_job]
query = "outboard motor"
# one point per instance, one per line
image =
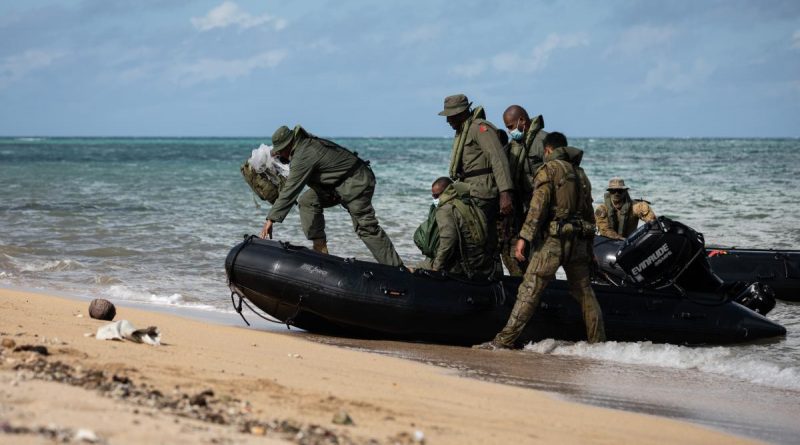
(665, 253)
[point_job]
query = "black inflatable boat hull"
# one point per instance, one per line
(780, 269)
(330, 295)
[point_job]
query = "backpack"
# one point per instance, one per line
(261, 183)
(473, 217)
(426, 237)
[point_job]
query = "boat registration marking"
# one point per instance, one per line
(314, 269)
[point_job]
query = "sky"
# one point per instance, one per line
(615, 68)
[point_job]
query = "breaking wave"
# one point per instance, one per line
(51, 266)
(715, 360)
(121, 292)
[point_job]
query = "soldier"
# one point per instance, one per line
(619, 215)
(478, 161)
(525, 155)
(334, 176)
(462, 232)
(561, 216)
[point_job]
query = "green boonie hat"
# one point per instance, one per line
(281, 139)
(616, 184)
(455, 104)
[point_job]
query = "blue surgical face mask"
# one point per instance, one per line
(516, 133)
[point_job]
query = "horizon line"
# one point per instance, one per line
(28, 136)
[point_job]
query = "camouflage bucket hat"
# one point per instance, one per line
(281, 139)
(616, 184)
(455, 104)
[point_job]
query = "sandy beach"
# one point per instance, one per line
(219, 384)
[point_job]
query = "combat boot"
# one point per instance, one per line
(491, 346)
(321, 245)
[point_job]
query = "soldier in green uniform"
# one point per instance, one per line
(525, 155)
(619, 215)
(462, 232)
(478, 161)
(334, 176)
(561, 216)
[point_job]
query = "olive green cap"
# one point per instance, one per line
(455, 104)
(616, 184)
(281, 139)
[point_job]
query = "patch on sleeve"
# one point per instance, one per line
(482, 128)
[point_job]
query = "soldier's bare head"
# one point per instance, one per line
(516, 117)
(439, 185)
(554, 140)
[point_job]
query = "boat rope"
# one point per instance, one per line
(236, 292)
(242, 301)
(290, 320)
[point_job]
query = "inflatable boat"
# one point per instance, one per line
(779, 269)
(330, 295)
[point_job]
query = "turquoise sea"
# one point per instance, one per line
(151, 220)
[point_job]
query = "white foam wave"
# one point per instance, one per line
(122, 292)
(51, 266)
(716, 360)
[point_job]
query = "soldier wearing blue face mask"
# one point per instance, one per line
(525, 155)
(526, 152)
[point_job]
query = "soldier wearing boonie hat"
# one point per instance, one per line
(619, 215)
(334, 176)
(478, 160)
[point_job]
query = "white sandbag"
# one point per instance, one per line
(262, 162)
(125, 330)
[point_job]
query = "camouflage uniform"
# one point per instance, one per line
(478, 161)
(619, 223)
(564, 221)
(334, 176)
(458, 251)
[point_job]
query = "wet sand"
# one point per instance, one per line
(723, 403)
(221, 384)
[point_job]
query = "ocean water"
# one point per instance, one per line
(151, 220)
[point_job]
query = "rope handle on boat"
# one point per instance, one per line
(236, 292)
(242, 301)
(290, 320)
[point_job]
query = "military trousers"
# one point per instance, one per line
(509, 234)
(355, 195)
(491, 210)
(574, 256)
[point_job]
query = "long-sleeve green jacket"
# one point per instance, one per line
(321, 165)
(525, 157)
(482, 150)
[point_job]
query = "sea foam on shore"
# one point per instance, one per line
(717, 360)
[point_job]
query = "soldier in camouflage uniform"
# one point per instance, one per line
(478, 161)
(334, 176)
(525, 154)
(460, 251)
(561, 216)
(619, 215)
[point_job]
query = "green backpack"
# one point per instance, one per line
(426, 237)
(474, 218)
